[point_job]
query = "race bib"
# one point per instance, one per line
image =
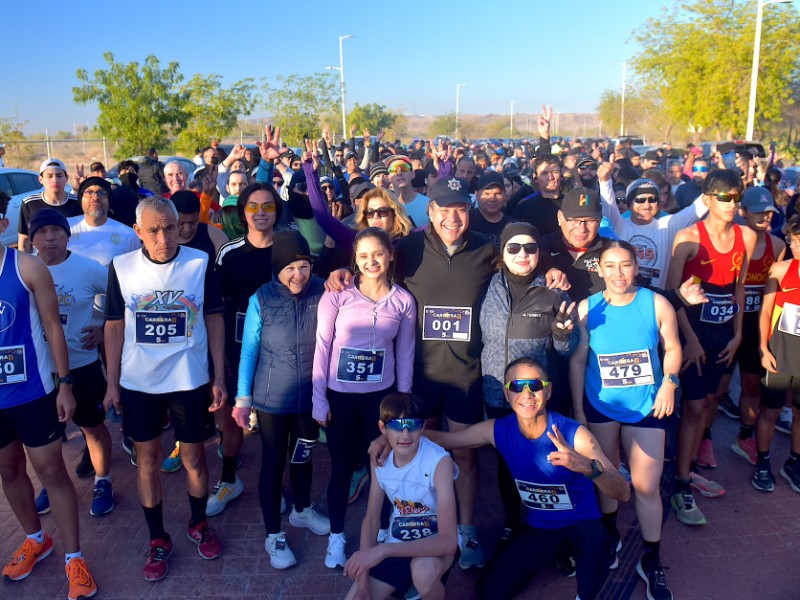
(720, 308)
(414, 528)
(790, 319)
(447, 323)
(239, 332)
(302, 451)
(544, 496)
(626, 369)
(752, 298)
(12, 365)
(357, 365)
(161, 326)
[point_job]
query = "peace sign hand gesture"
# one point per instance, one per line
(270, 147)
(79, 176)
(562, 325)
(312, 153)
(544, 122)
(565, 455)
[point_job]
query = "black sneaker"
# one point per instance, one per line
(763, 479)
(566, 566)
(85, 468)
(656, 582)
(791, 473)
(727, 406)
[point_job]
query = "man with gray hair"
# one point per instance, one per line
(176, 176)
(163, 316)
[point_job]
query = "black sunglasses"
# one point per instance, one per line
(381, 213)
(530, 248)
(643, 199)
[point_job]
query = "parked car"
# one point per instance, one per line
(17, 183)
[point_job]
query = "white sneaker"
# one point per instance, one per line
(310, 519)
(382, 535)
(280, 555)
(335, 556)
(283, 505)
(222, 494)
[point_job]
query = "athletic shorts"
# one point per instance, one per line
(773, 390)
(695, 386)
(748, 356)
(89, 388)
(144, 414)
(396, 572)
(595, 416)
(34, 424)
(462, 403)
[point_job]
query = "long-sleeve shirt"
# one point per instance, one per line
(362, 345)
(343, 235)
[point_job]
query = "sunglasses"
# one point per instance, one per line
(587, 168)
(530, 248)
(98, 194)
(533, 385)
(381, 213)
(699, 169)
(643, 199)
(326, 187)
(727, 196)
(399, 167)
(252, 208)
(413, 425)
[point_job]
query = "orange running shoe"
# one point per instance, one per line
(81, 582)
(25, 558)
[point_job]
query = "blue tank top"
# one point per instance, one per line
(623, 373)
(24, 356)
(553, 497)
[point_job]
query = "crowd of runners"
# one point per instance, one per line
(559, 300)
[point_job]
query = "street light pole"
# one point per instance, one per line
(458, 97)
(751, 107)
(511, 126)
(622, 113)
(341, 80)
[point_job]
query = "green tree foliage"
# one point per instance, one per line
(371, 116)
(443, 125)
(138, 103)
(697, 56)
(299, 102)
(644, 114)
(11, 135)
(212, 110)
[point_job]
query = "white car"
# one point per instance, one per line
(19, 184)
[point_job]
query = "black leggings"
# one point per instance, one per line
(510, 570)
(353, 425)
(509, 495)
(279, 435)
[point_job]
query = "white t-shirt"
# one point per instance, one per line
(653, 242)
(78, 280)
(417, 209)
(102, 243)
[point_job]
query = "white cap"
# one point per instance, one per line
(52, 163)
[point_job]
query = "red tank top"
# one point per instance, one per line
(712, 266)
(790, 287)
(784, 342)
(758, 268)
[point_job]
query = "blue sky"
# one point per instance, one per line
(403, 55)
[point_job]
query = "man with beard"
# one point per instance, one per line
(689, 191)
(587, 172)
(488, 218)
(541, 209)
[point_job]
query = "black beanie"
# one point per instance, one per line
(287, 247)
(513, 229)
(89, 181)
(44, 217)
(186, 202)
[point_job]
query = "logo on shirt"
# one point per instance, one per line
(407, 507)
(592, 264)
(646, 250)
(707, 262)
(7, 315)
(64, 295)
(116, 239)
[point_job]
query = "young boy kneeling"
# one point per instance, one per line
(417, 477)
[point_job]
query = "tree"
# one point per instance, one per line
(644, 114)
(697, 56)
(11, 135)
(298, 102)
(443, 125)
(211, 110)
(138, 103)
(371, 116)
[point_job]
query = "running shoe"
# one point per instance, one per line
(335, 556)
(280, 555)
(784, 423)
(311, 520)
(173, 462)
(790, 471)
(728, 407)
(624, 471)
(763, 479)
(412, 594)
(238, 458)
(27, 556)
(157, 566)
(43, 502)
(471, 550)
(127, 444)
(81, 582)
(616, 548)
(85, 468)
(745, 448)
(566, 566)
(705, 454)
(103, 501)
(223, 493)
(383, 534)
(208, 546)
(252, 424)
(686, 510)
(656, 582)
(357, 483)
(706, 487)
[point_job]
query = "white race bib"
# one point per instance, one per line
(626, 369)
(544, 496)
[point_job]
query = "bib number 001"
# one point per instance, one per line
(447, 323)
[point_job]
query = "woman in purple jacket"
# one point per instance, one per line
(365, 350)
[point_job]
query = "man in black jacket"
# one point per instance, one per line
(151, 173)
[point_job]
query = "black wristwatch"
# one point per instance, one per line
(68, 379)
(597, 469)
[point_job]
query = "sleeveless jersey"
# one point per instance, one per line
(755, 280)
(623, 372)
(412, 492)
(24, 354)
(784, 341)
(553, 496)
(166, 343)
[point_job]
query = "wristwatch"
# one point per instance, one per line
(597, 469)
(673, 379)
(68, 379)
